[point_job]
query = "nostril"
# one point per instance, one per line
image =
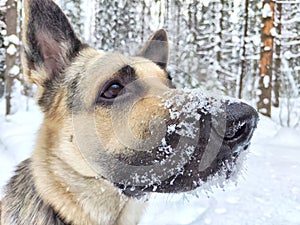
(235, 132)
(237, 126)
(241, 119)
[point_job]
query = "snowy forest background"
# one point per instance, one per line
(248, 49)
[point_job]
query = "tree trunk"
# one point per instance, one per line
(221, 21)
(10, 61)
(278, 57)
(2, 52)
(266, 60)
(244, 50)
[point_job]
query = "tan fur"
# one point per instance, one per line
(91, 147)
(73, 195)
(73, 187)
(63, 182)
(63, 177)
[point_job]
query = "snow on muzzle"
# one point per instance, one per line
(191, 136)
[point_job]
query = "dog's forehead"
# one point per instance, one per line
(93, 69)
(103, 65)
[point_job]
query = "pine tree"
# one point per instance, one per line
(74, 12)
(277, 55)
(107, 24)
(2, 49)
(289, 62)
(253, 50)
(11, 70)
(244, 65)
(119, 27)
(266, 61)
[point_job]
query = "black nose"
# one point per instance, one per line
(241, 120)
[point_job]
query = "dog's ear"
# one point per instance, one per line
(50, 43)
(157, 49)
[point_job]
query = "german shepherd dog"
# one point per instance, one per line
(114, 129)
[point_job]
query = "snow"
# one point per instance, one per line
(263, 110)
(2, 2)
(274, 32)
(17, 135)
(266, 101)
(266, 81)
(267, 48)
(267, 191)
(12, 39)
(15, 70)
(11, 50)
(205, 2)
(288, 55)
(266, 11)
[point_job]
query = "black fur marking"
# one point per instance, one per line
(51, 87)
(21, 190)
(127, 74)
(124, 76)
(74, 103)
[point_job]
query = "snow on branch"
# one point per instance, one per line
(267, 12)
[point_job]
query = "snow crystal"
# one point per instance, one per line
(14, 71)
(288, 54)
(11, 50)
(236, 39)
(3, 32)
(263, 110)
(274, 32)
(12, 39)
(266, 101)
(259, 4)
(205, 2)
(266, 11)
(256, 40)
(258, 92)
(266, 81)
(267, 48)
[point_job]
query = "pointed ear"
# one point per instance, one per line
(49, 41)
(157, 48)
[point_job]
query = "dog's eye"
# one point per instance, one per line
(112, 91)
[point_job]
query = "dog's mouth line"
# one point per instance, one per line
(225, 165)
(225, 168)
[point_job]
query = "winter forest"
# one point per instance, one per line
(246, 49)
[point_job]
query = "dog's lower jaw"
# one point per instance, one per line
(50, 192)
(23, 204)
(83, 200)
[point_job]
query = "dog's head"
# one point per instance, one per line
(119, 118)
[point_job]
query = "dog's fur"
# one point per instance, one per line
(65, 181)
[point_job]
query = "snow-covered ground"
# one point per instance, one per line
(267, 193)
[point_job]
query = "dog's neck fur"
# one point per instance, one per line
(44, 194)
(22, 204)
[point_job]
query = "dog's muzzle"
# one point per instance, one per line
(203, 139)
